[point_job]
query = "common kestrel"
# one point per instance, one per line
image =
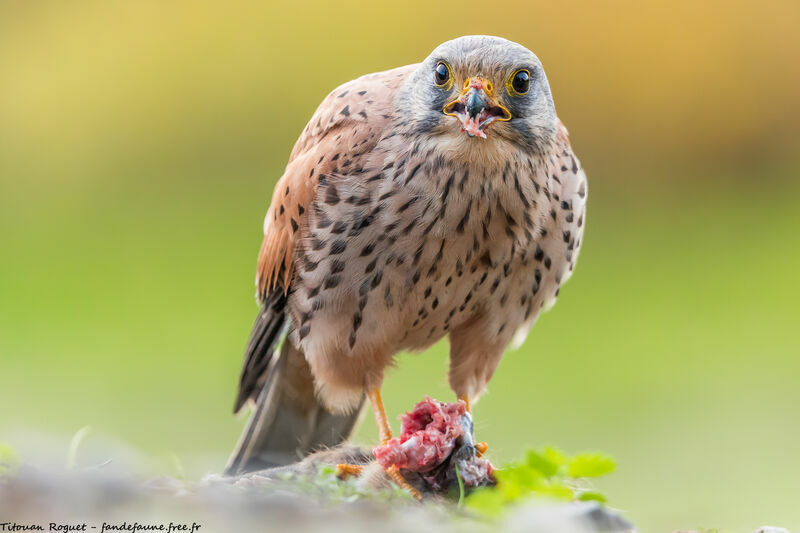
(441, 198)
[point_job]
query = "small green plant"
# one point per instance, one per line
(8, 459)
(180, 472)
(74, 444)
(548, 473)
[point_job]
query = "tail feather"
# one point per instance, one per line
(289, 422)
(266, 333)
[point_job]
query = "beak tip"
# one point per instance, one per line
(475, 103)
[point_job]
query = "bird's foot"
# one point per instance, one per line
(345, 470)
(394, 473)
(481, 448)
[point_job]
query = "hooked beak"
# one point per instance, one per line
(476, 108)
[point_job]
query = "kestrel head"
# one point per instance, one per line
(477, 89)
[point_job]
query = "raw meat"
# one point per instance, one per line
(436, 442)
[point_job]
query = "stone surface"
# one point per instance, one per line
(264, 501)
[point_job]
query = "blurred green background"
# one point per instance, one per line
(140, 141)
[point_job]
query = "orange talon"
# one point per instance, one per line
(384, 429)
(465, 399)
(481, 447)
(344, 471)
(385, 432)
(398, 478)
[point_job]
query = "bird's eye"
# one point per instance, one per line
(442, 75)
(519, 82)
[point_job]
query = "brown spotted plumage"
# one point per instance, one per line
(347, 125)
(437, 199)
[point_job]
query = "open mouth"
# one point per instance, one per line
(474, 126)
(476, 108)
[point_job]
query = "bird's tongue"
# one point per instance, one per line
(471, 125)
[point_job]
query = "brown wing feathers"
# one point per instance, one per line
(345, 127)
(266, 333)
(287, 212)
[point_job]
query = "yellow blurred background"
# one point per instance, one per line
(139, 143)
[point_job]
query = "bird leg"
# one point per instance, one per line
(385, 432)
(384, 429)
(344, 471)
(398, 478)
(464, 398)
(480, 447)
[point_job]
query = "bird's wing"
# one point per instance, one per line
(337, 139)
(563, 233)
(570, 184)
(345, 128)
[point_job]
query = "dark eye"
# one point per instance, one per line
(441, 75)
(521, 81)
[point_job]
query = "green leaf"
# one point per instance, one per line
(591, 496)
(521, 475)
(554, 455)
(548, 473)
(487, 501)
(557, 491)
(511, 491)
(541, 463)
(460, 487)
(326, 471)
(591, 465)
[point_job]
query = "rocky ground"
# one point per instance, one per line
(304, 497)
(99, 500)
